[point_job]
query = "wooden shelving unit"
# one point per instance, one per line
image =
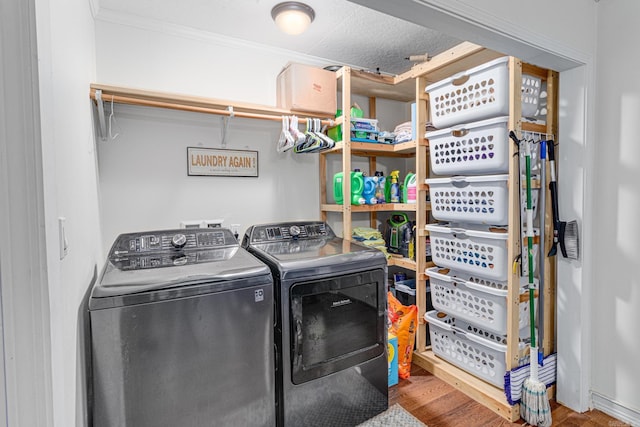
(490, 396)
(458, 59)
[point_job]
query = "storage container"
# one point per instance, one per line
(475, 249)
(476, 94)
(361, 124)
(392, 359)
(530, 95)
(469, 347)
(474, 299)
(473, 199)
(303, 87)
(475, 148)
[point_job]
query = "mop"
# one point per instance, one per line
(534, 404)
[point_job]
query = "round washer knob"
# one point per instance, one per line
(294, 230)
(178, 241)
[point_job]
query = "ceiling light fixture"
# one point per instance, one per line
(292, 17)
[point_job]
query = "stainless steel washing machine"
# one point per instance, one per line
(182, 333)
(330, 328)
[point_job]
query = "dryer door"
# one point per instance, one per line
(336, 323)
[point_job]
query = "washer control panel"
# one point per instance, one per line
(171, 240)
(287, 231)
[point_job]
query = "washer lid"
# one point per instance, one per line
(150, 261)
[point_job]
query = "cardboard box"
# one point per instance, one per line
(306, 88)
(392, 354)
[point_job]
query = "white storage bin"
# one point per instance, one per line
(479, 93)
(473, 199)
(474, 299)
(475, 148)
(478, 352)
(530, 95)
(473, 249)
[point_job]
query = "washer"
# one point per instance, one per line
(330, 328)
(182, 333)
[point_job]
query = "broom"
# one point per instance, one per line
(534, 404)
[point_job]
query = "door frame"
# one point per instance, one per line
(25, 381)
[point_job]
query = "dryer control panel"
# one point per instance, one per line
(287, 231)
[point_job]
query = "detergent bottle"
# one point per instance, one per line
(369, 191)
(409, 190)
(357, 186)
(337, 188)
(394, 187)
(380, 189)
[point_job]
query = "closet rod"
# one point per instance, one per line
(107, 96)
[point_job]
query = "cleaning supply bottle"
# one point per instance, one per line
(369, 191)
(337, 188)
(394, 187)
(357, 186)
(380, 188)
(409, 190)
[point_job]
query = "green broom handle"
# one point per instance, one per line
(530, 246)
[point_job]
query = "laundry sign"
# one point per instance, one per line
(219, 162)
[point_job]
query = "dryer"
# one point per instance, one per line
(182, 333)
(330, 323)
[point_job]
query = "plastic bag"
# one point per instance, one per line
(404, 320)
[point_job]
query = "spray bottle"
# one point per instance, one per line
(394, 187)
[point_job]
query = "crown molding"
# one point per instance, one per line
(154, 25)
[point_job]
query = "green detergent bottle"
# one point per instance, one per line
(357, 185)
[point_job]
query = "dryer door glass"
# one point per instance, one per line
(336, 323)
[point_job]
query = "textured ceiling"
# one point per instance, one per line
(342, 33)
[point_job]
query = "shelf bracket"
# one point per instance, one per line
(101, 118)
(225, 125)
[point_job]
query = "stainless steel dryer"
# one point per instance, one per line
(182, 333)
(330, 324)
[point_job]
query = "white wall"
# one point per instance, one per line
(66, 67)
(180, 62)
(616, 291)
(144, 183)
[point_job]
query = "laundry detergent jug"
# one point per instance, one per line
(409, 190)
(357, 185)
(369, 191)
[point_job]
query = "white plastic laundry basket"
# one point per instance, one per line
(475, 249)
(530, 95)
(475, 148)
(478, 352)
(474, 299)
(479, 93)
(474, 199)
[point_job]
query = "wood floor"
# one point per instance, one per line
(438, 404)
